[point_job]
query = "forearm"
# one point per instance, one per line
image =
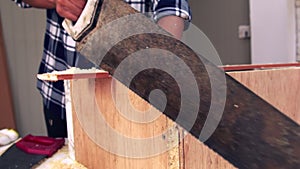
(172, 24)
(46, 4)
(172, 15)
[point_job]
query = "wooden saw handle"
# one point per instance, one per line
(86, 21)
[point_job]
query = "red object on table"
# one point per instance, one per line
(40, 145)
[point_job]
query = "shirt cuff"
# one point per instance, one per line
(178, 8)
(21, 4)
(171, 11)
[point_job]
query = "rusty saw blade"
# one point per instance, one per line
(240, 126)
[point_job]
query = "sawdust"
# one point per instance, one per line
(53, 76)
(60, 160)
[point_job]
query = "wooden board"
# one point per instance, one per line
(233, 136)
(274, 85)
(280, 87)
(90, 154)
(6, 113)
(258, 66)
(198, 156)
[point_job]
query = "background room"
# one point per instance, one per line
(273, 38)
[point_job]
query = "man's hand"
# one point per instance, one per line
(70, 9)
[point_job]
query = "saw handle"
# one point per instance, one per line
(86, 21)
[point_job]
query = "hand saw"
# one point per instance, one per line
(250, 133)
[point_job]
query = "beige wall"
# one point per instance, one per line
(220, 20)
(23, 36)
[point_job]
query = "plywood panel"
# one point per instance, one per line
(185, 151)
(273, 85)
(198, 156)
(280, 87)
(7, 119)
(93, 154)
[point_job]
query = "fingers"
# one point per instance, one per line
(78, 3)
(70, 9)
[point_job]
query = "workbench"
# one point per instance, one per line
(60, 160)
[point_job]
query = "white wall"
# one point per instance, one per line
(23, 36)
(298, 28)
(273, 38)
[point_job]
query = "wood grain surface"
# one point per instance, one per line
(273, 85)
(279, 87)
(236, 137)
(92, 155)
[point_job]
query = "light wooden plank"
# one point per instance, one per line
(189, 154)
(92, 155)
(279, 87)
(198, 156)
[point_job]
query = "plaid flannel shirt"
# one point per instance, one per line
(59, 48)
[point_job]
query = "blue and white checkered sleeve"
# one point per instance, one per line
(21, 4)
(178, 8)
